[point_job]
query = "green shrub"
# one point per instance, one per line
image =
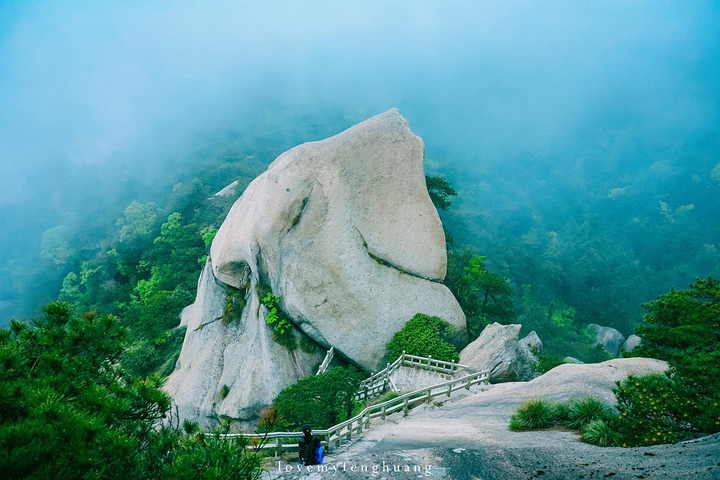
(546, 362)
(601, 433)
(69, 410)
(532, 415)
(320, 400)
(383, 398)
(680, 327)
(234, 304)
(652, 411)
(584, 410)
(307, 344)
(424, 336)
(561, 413)
(283, 329)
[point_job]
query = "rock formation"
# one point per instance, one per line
(500, 349)
(344, 231)
(610, 339)
(631, 342)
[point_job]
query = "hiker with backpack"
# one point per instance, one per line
(311, 452)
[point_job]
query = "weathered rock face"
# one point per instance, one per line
(499, 348)
(610, 339)
(241, 356)
(345, 232)
(527, 357)
(631, 342)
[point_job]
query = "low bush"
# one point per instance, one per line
(321, 400)
(424, 336)
(592, 417)
(532, 415)
(601, 433)
(584, 410)
(283, 329)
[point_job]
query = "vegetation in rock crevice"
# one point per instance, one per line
(235, 301)
(282, 326)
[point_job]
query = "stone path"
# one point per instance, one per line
(468, 438)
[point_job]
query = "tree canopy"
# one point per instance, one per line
(69, 410)
(321, 400)
(423, 336)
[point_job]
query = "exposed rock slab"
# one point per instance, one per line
(470, 438)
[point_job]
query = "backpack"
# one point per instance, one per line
(320, 454)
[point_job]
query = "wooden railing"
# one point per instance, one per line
(380, 382)
(326, 363)
(333, 436)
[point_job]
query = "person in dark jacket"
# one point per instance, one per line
(308, 444)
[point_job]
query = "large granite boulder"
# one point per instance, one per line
(344, 231)
(631, 343)
(499, 349)
(609, 338)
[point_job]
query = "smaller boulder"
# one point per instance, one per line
(631, 342)
(609, 338)
(572, 360)
(527, 357)
(499, 349)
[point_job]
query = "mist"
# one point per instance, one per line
(538, 112)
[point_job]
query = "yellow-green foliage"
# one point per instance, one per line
(234, 304)
(279, 321)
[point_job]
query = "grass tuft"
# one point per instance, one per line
(601, 433)
(533, 414)
(584, 410)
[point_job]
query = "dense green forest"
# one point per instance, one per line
(571, 255)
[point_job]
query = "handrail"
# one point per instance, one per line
(326, 363)
(377, 384)
(404, 402)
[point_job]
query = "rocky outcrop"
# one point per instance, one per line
(344, 231)
(230, 369)
(527, 357)
(500, 349)
(631, 342)
(609, 338)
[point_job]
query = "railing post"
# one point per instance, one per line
(429, 360)
(278, 446)
(468, 382)
(405, 407)
(402, 359)
(429, 395)
(453, 367)
(383, 412)
(449, 390)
